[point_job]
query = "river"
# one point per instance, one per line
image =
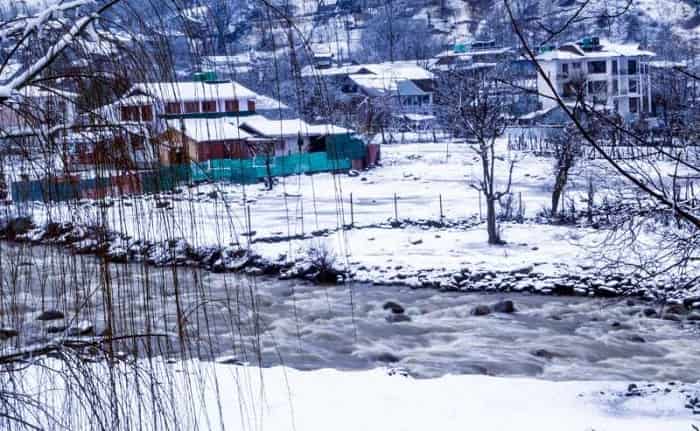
(269, 322)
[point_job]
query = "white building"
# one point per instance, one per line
(615, 77)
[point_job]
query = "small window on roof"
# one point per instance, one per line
(251, 105)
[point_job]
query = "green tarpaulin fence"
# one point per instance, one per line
(253, 170)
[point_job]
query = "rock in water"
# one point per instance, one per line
(396, 318)
(50, 315)
(395, 307)
(481, 310)
(6, 333)
(504, 307)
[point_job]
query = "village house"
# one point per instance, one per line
(472, 56)
(611, 77)
(33, 114)
(405, 86)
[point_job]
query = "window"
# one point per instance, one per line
(130, 113)
(191, 107)
(576, 65)
(632, 67)
(173, 108)
(231, 105)
(209, 106)
(634, 86)
(251, 105)
(596, 67)
(634, 105)
(616, 105)
(614, 67)
(616, 87)
(147, 113)
(597, 87)
(565, 69)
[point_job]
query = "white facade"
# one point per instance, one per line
(614, 77)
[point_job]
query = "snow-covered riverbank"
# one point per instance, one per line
(211, 396)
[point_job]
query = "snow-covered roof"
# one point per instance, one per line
(572, 51)
(266, 103)
(476, 52)
(267, 128)
(208, 129)
(193, 91)
(38, 92)
(398, 70)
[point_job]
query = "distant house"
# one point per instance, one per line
(472, 56)
(615, 77)
(152, 101)
(201, 139)
(404, 85)
(35, 113)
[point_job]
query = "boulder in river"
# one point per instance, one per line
(6, 333)
(395, 307)
(675, 309)
(397, 318)
(51, 315)
(546, 354)
(506, 306)
(481, 310)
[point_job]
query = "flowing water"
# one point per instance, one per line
(267, 321)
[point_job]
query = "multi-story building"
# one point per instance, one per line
(609, 76)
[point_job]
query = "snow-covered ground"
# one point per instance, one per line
(215, 396)
(416, 182)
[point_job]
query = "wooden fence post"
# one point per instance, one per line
(352, 211)
(396, 208)
(442, 214)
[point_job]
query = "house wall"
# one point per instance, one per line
(619, 96)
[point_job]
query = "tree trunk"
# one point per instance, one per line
(559, 183)
(491, 226)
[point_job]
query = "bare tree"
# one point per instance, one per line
(476, 107)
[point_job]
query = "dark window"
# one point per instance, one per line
(634, 105)
(231, 106)
(173, 108)
(596, 67)
(209, 106)
(632, 67)
(565, 69)
(614, 67)
(633, 86)
(130, 113)
(147, 113)
(616, 87)
(251, 105)
(597, 87)
(191, 107)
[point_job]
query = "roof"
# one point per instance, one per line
(267, 128)
(33, 91)
(572, 51)
(194, 90)
(208, 129)
(266, 103)
(397, 69)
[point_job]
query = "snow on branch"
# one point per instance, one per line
(35, 23)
